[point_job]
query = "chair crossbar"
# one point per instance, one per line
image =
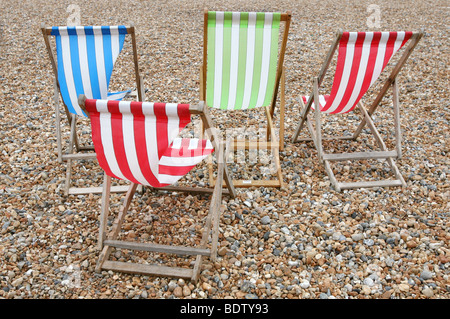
(385, 183)
(359, 155)
(135, 268)
(179, 250)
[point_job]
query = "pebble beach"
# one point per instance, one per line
(304, 241)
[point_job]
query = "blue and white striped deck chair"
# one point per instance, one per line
(85, 57)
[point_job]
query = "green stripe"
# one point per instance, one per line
(226, 67)
(258, 58)
(242, 60)
(273, 59)
(211, 58)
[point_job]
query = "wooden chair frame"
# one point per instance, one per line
(272, 143)
(316, 135)
(75, 151)
(107, 241)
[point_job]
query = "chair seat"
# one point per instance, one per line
(117, 95)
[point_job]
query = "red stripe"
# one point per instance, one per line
(374, 49)
(357, 53)
(118, 141)
(141, 143)
(159, 110)
(305, 101)
(389, 48)
(408, 35)
(96, 136)
(175, 170)
(184, 115)
(339, 69)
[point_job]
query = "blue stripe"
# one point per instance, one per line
(122, 29)
(121, 41)
(61, 76)
(89, 30)
(107, 53)
(92, 62)
(71, 31)
(55, 31)
(75, 60)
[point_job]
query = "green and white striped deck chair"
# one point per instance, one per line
(243, 69)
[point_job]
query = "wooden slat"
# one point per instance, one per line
(384, 183)
(190, 189)
(326, 138)
(179, 250)
(96, 190)
(256, 183)
(359, 155)
(75, 156)
(87, 148)
(249, 144)
(147, 269)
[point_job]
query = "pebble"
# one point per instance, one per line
(425, 275)
(265, 220)
(428, 292)
(303, 241)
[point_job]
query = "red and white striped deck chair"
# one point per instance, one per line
(361, 59)
(137, 142)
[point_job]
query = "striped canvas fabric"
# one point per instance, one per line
(137, 141)
(242, 59)
(361, 59)
(86, 56)
(322, 100)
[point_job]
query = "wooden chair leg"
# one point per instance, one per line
(216, 199)
(57, 121)
(318, 120)
(104, 210)
(282, 110)
(398, 131)
(69, 161)
(304, 116)
(106, 249)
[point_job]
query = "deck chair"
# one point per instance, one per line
(85, 57)
(137, 142)
(243, 69)
(361, 59)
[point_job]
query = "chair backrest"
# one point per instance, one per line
(242, 54)
(361, 59)
(137, 141)
(85, 61)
